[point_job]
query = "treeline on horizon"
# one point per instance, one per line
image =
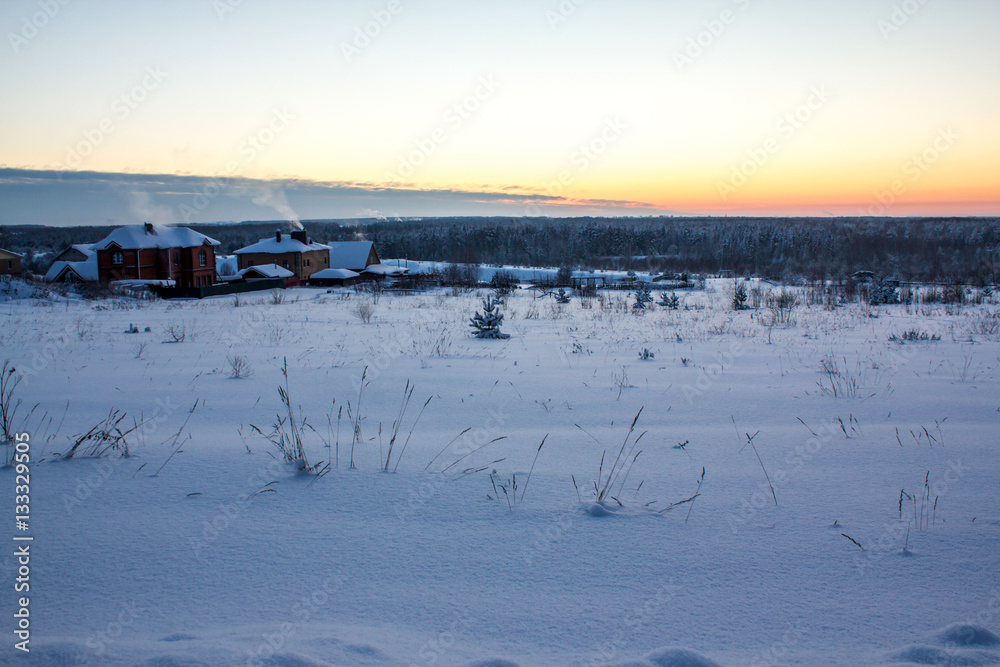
(789, 249)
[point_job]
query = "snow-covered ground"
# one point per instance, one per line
(218, 554)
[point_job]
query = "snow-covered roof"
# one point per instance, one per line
(267, 270)
(8, 252)
(272, 246)
(85, 248)
(141, 237)
(349, 254)
(386, 270)
(84, 270)
(334, 274)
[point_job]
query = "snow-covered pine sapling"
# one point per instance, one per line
(487, 324)
(670, 301)
(646, 355)
(561, 296)
(643, 298)
(740, 295)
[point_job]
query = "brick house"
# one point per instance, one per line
(154, 252)
(294, 251)
(10, 263)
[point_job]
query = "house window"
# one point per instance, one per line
(307, 262)
(203, 258)
(10, 264)
(117, 258)
(284, 263)
(177, 258)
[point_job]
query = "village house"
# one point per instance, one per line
(354, 256)
(10, 263)
(294, 251)
(77, 263)
(156, 253)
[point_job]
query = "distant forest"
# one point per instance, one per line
(791, 249)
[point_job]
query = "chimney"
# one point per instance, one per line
(148, 227)
(278, 236)
(300, 235)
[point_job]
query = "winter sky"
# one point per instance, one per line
(201, 110)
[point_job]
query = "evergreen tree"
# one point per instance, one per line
(487, 324)
(642, 297)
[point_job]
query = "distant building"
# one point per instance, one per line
(294, 251)
(155, 253)
(264, 272)
(10, 263)
(353, 255)
(77, 263)
(334, 278)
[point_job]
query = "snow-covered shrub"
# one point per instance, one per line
(364, 310)
(503, 283)
(487, 324)
(176, 333)
(781, 306)
(239, 366)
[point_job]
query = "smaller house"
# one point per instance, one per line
(264, 272)
(353, 255)
(334, 278)
(77, 263)
(10, 263)
(294, 251)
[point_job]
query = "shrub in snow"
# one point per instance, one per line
(642, 298)
(672, 302)
(561, 296)
(487, 324)
(503, 282)
(646, 355)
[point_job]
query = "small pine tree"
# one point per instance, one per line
(561, 296)
(672, 302)
(740, 295)
(487, 324)
(642, 298)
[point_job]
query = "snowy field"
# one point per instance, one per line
(202, 548)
